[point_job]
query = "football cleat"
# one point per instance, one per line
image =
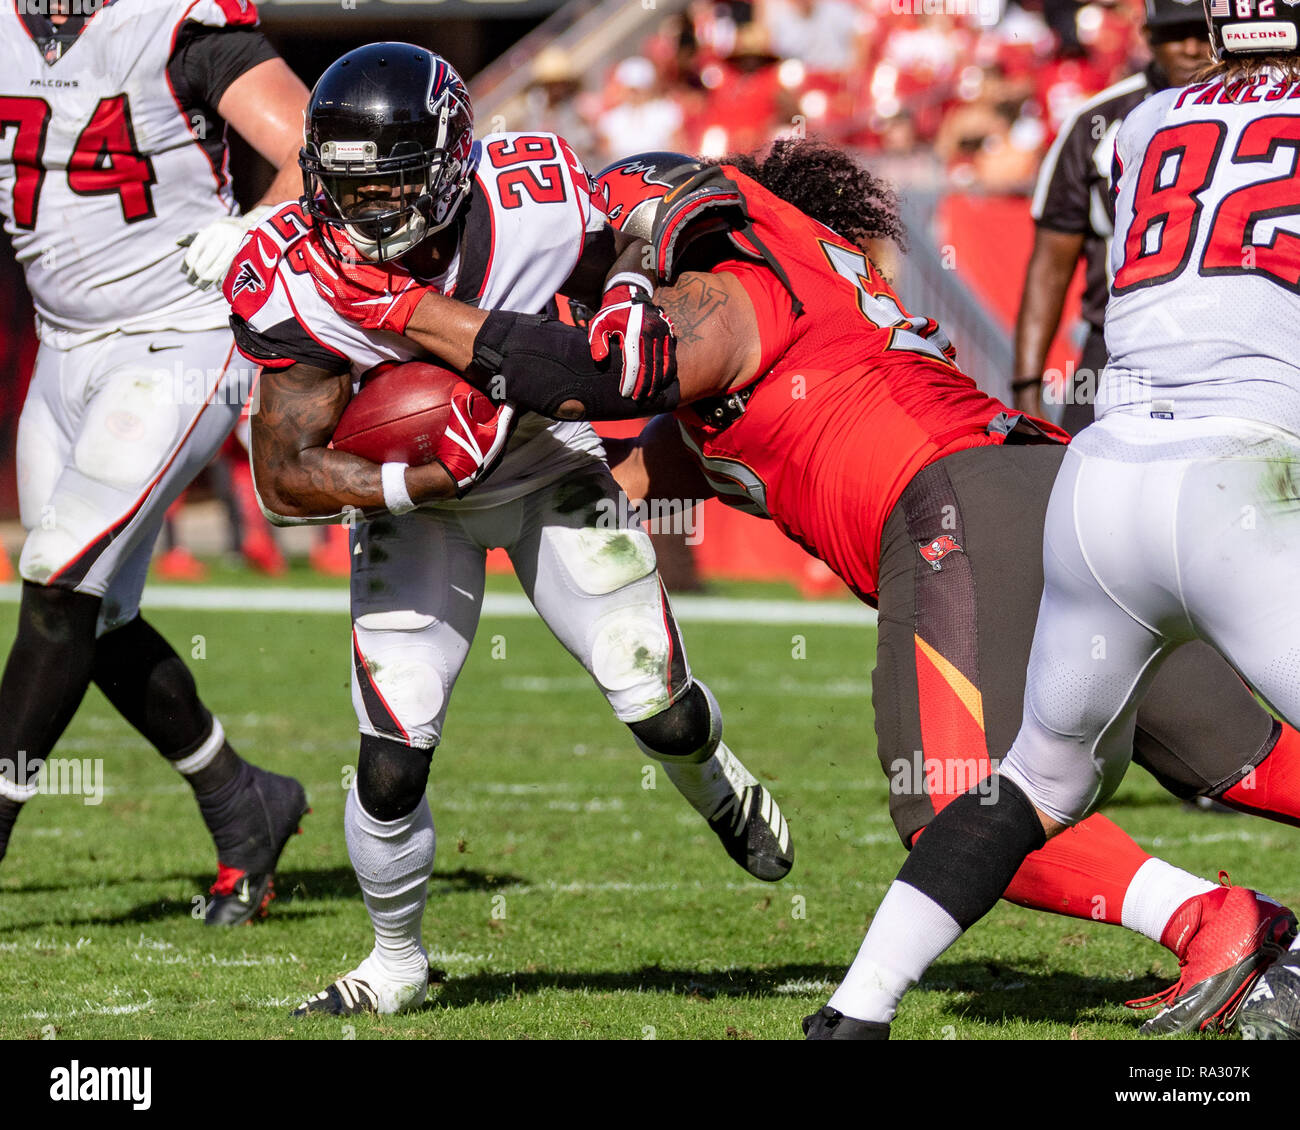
(750, 824)
(366, 989)
(831, 1024)
(1223, 939)
(1272, 1009)
(245, 882)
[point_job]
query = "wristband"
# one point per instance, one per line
(630, 279)
(396, 497)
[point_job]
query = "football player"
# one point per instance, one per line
(115, 191)
(806, 393)
(1173, 517)
(399, 199)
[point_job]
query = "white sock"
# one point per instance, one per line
(393, 861)
(909, 931)
(1155, 893)
(708, 784)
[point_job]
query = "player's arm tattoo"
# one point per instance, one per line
(716, 331)
(297, 474)
(691, 305)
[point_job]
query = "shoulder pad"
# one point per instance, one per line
(709, 201)
(251, 275)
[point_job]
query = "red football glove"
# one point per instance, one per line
(644, 332)
(369, 294)
(476, 436)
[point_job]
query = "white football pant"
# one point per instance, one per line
(586, 565)
(110, 434)
(1157, 531)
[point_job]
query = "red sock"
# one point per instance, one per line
(1272, 788)
(1084, 872)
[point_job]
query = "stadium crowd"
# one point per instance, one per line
(983, 87)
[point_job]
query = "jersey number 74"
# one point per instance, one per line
(104, 160)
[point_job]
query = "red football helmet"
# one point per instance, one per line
(634, 186)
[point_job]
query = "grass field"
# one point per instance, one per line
(568, 900)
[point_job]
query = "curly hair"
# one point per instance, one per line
(830, 186)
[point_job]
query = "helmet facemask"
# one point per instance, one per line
(389, 204)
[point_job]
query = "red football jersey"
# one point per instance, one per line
(854, 396)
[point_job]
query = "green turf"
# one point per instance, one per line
(568, 900)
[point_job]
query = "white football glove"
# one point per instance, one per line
(212, 249)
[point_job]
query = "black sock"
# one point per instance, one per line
(149, 684)
(227, 812)
(47, 672)
(972, 850)
(9, 810)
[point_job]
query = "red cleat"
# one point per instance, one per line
(1224, 939)
(263, 555)
(179, 564)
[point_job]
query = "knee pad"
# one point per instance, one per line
(129, 427)
(391, 777)
(688, 731)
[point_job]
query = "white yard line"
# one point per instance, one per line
(689, 609)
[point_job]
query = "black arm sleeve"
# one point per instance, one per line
(538, 363)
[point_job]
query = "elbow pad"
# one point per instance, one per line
(538, 363)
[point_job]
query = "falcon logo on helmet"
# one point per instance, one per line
(386, 154)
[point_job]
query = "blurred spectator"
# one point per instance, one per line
(642, 117)
(556, 103)
(745, 104)
(822, 34)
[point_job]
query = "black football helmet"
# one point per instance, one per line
(386, 152)
(1252, 27)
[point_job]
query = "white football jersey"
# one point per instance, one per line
(528, 214)
(101, 171)
(1204, 314)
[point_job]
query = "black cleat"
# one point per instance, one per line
(245, 884)
(751, 826)
(1272, 1010)
(365, 990)
(831, 1024)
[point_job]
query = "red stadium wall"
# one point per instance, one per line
(991, 238)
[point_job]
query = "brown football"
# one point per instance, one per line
(398, 414)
